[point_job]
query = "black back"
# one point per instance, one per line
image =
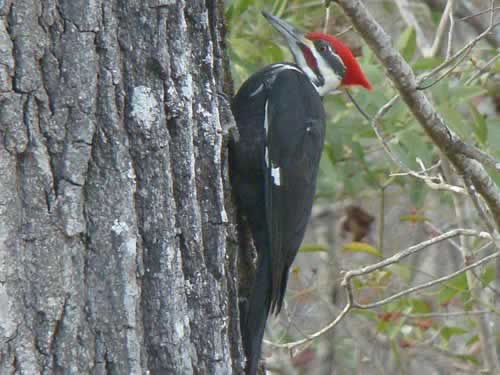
(277, 208)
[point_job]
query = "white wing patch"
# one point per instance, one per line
(266, 127)
(266, 122)
(276, 174)
(275, 171)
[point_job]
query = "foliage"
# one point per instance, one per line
(354, 164)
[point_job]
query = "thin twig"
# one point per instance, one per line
(351, 98)
(435, 230)
(347, 29)
(433, 182)
(452, 28)
(426, 285)
(415, 249)
(449, 314)
(446, 73)
(409, 17)
(335, 322)
(478, 13)
(482, 70)
(463, 52)
(347, 277)
(376, 128)
(429, 180)
(327, 15)
(471, 190)
(438, 39)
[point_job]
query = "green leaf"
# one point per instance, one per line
(461, 93)
(419, 306)
(447, 332)
(494, 138)
(458, 282)
(472, 340)
(426, 63)
(454, 119)
(496, 67)
(450, 289)
(369, 314)
(357, 284)
(312, 248)
(488, 275)
(401, 270)
(414, 218)
(468, 358)
(357, 151)
(382, 278)
(361, 247)
(478, 124)
(407, 43)
(329, 151)
(418, 191)
(236, 9)
(396, 325)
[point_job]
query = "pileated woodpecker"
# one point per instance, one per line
(274, 164)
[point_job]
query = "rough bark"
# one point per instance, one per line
(117, 250)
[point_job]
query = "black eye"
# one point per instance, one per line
(322, 48)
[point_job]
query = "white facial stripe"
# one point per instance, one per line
(332, 80)
(301, 61)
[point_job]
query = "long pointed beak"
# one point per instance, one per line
(293, 37)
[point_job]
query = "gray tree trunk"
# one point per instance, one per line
(117, 248)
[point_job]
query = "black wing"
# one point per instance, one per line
(277, 207)
(295, 134)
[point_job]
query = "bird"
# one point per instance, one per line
(274, 162)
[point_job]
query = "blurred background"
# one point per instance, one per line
(363, 214)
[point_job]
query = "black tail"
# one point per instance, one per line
(253, 315)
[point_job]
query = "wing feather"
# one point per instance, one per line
(295, 134)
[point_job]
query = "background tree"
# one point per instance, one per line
(117, 254)
(418, 171)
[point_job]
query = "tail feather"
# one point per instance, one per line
(254, 314)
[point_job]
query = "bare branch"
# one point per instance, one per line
(483, 70)
(347, 29)
(449, 314)
(478, 13)
(315, 335)
(346, 282)
(438, 39)
(430, 181)
(378, 132)
(451, 4)
(414, 249)
(327, 16)
(471, 190)
(409, 17)
(474, 153)
(460, 55)
(426, 285)
(404, 80)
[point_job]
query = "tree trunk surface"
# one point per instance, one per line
(117, 243)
